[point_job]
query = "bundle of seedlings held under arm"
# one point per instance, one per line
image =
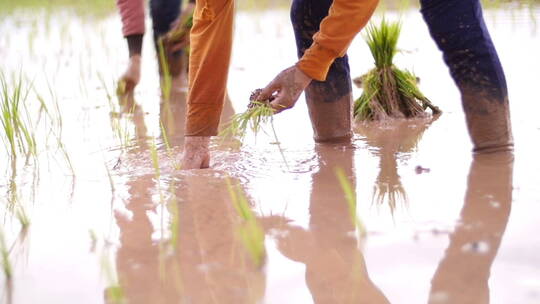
(389, 92)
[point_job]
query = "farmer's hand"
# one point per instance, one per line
(196, 154)
(179, 44)
(287, 86)
(131, 77)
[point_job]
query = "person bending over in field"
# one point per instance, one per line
(165, 14)
(211, 41)
(324, 29)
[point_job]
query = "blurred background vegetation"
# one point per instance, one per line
(107, 7)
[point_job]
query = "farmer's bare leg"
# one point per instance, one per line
(458, 28)
(329, 102)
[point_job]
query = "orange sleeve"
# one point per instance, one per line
(345, 19)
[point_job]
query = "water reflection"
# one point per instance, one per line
(206, 262)
(392, 141)
(463, 274)
(335, 268)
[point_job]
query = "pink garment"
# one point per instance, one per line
(132, 15)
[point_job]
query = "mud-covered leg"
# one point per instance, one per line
(329, 102)
(164, 13)
(458, 28)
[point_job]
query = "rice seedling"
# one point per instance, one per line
(174, 224)
(56, 124)
(23, 218)
(350, 198)
(389, 92)
(120, 130)
(155, 158)
(258, 114)
(250, 231)
(114, 292)
(170, 151)
(166, 77)
(4, 252)
(18, 135)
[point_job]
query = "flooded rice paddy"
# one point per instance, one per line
(95, 211)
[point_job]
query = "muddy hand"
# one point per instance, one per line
(286, 88)
(196, 154)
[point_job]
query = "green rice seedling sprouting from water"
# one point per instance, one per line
(114, 291)
(389, 92)
(250, 231)
(18, 136)
(350, 197)
(166, 81)
(120, 130)
(6, 263)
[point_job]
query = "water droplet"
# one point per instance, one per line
(480, 247)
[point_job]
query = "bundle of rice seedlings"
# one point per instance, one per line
(389, 92)
(257, 114)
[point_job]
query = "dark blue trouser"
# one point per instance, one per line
(329, 102)
(164, 13)
(458, 29)
(306, 16)
(457, 26)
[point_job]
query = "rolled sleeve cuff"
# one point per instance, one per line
(316, 62)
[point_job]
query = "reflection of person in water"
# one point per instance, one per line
(392, 142)
(335, 268)
(463, 273)
(209, 263)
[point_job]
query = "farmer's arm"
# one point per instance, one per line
(345, 19)
(211, 44)
(132, 16)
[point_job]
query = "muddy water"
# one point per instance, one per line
(441, 226)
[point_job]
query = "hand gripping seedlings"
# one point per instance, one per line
(389, 92)
(258, 112)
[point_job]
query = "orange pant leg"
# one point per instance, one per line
(211, 45)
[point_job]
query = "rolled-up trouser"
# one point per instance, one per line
(329, 102)
(211, 44)
(458, 28)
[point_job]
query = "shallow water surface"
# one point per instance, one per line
(433, 223)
